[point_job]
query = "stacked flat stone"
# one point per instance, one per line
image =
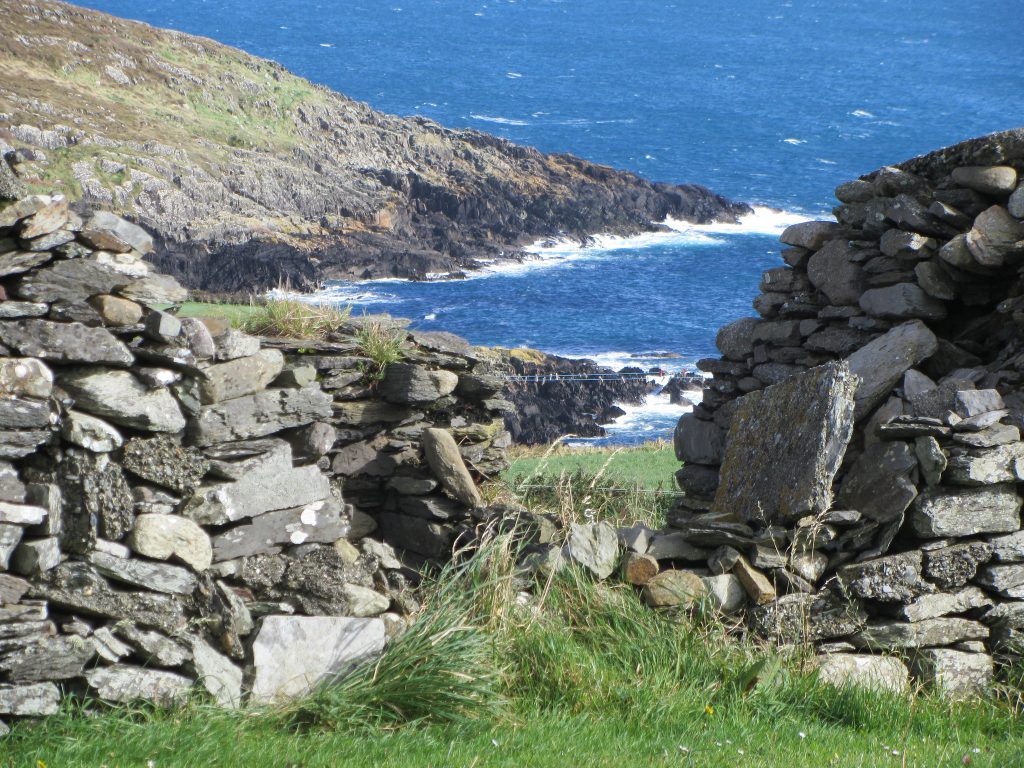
(174, 493)
(858, 443)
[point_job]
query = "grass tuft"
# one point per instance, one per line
(293, 319)
(381, 342)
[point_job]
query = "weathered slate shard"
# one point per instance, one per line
(79, 588)
(273, 484)
(240, 377)
(881, 363)
(880, 484)
(47, 659)
(785, 445)
(121, 398)
(930, 632)
(443, 457)
(409, 383)
(64, 342)
(143, 574)
(258, 415)
(317, 522)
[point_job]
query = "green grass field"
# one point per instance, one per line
(581, 674)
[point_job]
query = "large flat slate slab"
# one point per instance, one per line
(785, 446)
(292, 654)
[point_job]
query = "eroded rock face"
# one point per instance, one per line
(785, 446)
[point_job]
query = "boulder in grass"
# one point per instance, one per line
(293, 654)
(674, 589)
(880, 673)
(595, 546)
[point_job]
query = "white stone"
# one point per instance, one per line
(293, 654)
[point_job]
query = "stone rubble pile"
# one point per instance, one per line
(182, 504)
(856, 460)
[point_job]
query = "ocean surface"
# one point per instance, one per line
(772, 102)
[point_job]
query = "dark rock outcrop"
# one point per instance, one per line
(557, 396)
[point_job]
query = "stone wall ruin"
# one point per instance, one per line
(184, 504)
(859, 444)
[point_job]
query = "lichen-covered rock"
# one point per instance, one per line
(785, 445)
(97, 501)
(125, 684)
(892, 579)
(940, 511)
(799, 618)
(162, 461)
(954, 674)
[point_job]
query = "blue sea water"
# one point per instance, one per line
(772, 102)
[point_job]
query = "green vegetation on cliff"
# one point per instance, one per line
(252, 177)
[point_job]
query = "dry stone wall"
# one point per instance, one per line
(182, 504)
(856, 461)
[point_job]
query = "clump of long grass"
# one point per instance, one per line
(294, 319)
(578, 496)
(382, 343)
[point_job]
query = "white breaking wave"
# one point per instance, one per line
(550, 254)
(497, 119)
(795, 142)
(341, 293)
(861, 113)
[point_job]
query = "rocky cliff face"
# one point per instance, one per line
(251, 177)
